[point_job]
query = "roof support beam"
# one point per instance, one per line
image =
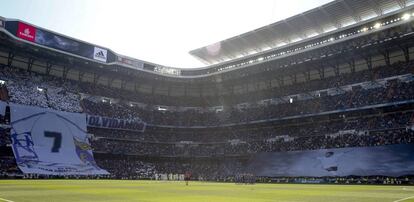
(307, 75)
(406, 53)
(256, 38)
(48, 68)
(10, 59)
(96, 78)
(257, 49)
(30, 65)
(374, 4)
(333, 20)
(402, 3)
(203, 60)
(123, 84)
(80, 75)
(270, 41)
(243, 51)
(229, 53)
(355, 16)
(312, 22)
(65, 72)
(273, 44)
(296, 31)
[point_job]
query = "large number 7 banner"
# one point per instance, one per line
(51, 142)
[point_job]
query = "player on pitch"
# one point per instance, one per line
(187, 177)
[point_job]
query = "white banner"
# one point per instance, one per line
(51, 142)
(100, 54)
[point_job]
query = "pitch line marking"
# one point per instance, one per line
(403, 199)
(2, 199)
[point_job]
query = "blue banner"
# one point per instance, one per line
(391, 160)
(113, 123)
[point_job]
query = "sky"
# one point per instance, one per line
(158, 31)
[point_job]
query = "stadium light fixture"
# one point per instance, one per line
(406, 16)
(377, 25)
(364, 29)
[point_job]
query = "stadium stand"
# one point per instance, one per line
(349, 88)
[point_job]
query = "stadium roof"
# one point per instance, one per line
(331, 16)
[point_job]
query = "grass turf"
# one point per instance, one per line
(119, 190)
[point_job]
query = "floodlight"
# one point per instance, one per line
(406, 16)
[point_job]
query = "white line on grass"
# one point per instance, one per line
(2, 199)
(403, 199)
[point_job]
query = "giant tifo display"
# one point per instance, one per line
(330, 108)
(51, 142)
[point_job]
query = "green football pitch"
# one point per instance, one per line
(118, 190)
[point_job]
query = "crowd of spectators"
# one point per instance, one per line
(398, 68)
(222, 135)
(392, 91)
(246, 148)
(380, 129)
(202, 170)
(52, 92)
(127, 168)
(389, 129)
(394, 128)
(47, 92)
(385, 180)
(8, 167)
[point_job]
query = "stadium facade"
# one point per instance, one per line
(328, 92)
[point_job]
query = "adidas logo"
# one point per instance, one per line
(100, 54)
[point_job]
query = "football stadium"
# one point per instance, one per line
(316, 107)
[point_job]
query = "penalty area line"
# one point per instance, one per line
(2, 199)
(403, 199)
